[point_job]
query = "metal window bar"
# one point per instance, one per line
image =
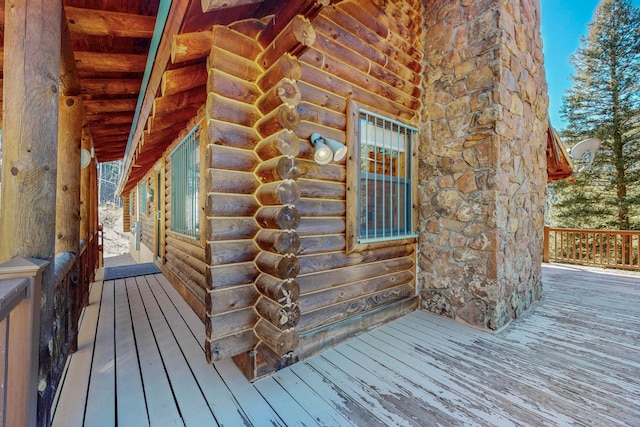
(185, 182)
(384, 200)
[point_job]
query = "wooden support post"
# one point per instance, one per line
(32, 34)
(68, 179)
(545, 245)
(85, 188)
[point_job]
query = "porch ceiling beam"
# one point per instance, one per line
(110, 62)
(212, 5)
(103, 23)
(110, 106)
(111, 86)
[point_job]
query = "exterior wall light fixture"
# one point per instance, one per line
(327, 149)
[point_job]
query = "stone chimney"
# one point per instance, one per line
(482, 170)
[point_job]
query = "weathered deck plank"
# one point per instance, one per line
(574, 359)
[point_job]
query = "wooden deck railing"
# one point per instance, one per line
(601, 248)
(20, 281)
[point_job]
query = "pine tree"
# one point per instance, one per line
(604, 103)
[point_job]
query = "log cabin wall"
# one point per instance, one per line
(184, 260)
(280, 284)
(146, 214)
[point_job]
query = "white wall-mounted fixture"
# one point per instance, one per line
(327, 149)
(585, 151)
(85, 158)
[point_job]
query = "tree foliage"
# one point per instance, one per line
(604, 103)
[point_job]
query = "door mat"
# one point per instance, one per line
(133, 270)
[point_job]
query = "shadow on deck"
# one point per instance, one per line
(575, 359)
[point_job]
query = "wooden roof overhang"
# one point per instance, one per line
(559, 165)
(176, 85)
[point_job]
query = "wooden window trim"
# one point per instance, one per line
(353, 174)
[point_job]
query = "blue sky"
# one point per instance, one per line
(563, 21)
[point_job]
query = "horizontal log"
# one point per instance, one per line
(280, 266)
(232, 298)
(322, 189)
(230, 322)
(122, 87)
(231, 158)
(182, 79)
(231, 252)
(286, 67)
(96, 62)
(278, 241)
(278, 217)
(195, 97)
(281, 342)
(96, 22)
(191, 246)
(313, 74)
(320, 339)
(231, 275)
(107, 119)
(231, 205)
(295, 37)
(279, 20)
(214, 5)
(324, 116)
(336, 67)
(230, 345)
(321, 207)
(193, 290)
(233, 64)
(194, 280)
(230, 228)
(232, 87)
(110, 130)
(193, 263)
(322, 98)
(321, 244)
(306, 128)
(279, 193)
(230, 111)
(232, 135)
(325, 274)
(284, 117)
(284, 291)
(110, 106)
(166, 121)
(372, 62)
(220, 181)
(343, 310)
(278, 169)
(283, 143)
(329, 172)
(329, 296)
(286, 91)
(318, 225)
(191, 46)
(391, 46)
(268, 362)
(281, 316)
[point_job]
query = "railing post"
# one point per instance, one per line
(23, 344)
(545, 245)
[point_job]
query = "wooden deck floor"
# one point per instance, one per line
(574, 360)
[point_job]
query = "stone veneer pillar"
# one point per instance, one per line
(482, 172)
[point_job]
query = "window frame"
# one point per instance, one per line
(354, 241)
(196, 233)
(143, 197)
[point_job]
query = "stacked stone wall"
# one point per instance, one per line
(482, 170)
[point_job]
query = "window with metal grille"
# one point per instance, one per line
(143, 197)
(185, 182)
(385, 184)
